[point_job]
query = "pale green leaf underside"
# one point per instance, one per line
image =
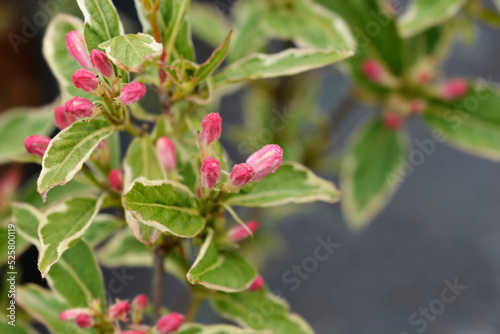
(291, 183)
(205, 15)
(216, 329)
(369, 173)
(62, 226)
(18, 123)
(27, 218)
(166, 205)
(102, 227)
(133, 52)
(285, 63)
(44, 306)
(224, 272)
(123, 249)
(424, 14)
(69, 150)
(246, 309)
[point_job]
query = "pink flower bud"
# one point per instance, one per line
(210, 128)
(170, 323)
(239, 233)
(120, 310)
(165, 150)
(77, 49)
(393, 121)
(242, 174)
(372, 70)
(101, 62)
(257, 284)
(70, 314)
(62, 119)
(85, 80)
(80, 107)
(210, 172)
(140, 302)
(417, 107)
(115, 179)
(265, 161)
(84, 320)
(36, 144)
(9, 182)
(454, 89)
(132, 92)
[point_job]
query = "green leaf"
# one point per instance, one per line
(69, 150)
(175, 33)
(44, 306)
(216, 329)
(423, 14)
(57, 235)
(308, 24)
(285, 63)
(166, 205)
(133, 52)
(214, 61)
(17, 329)
(58, 58)
(291, 183)
(203, 15)
(260, 310)
(123, 249)
(27, 219)
(223, 271)
(101, 22)
(370, 171)
(17, 124)
(102, 227)
(471, 123)
(77, 277)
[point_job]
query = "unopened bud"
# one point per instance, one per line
(80, 107)
(115, 179)
(454, 89)
(257, 284)
(36, 145)
(417, 107)
(170, 323)
(210, 172)
(241, 174)
(166, 152)
(120, 310)
(63, 119)
(239, 232)
(211, 128)
(84, 320)
(85, 80)
(101, 62)
(373, 70)
(77, 49)
(70, 314)
(392, 120)
(132, 92)
(140, 302)
(265, 161)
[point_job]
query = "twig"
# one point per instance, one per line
(158, 277)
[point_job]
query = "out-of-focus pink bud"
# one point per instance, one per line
(166, 152)
(417, 107)
(84, 320)
(454, 89)
(80, 107)
(392, 120)
(373, 70)
(170, 323)
(132, 92)
(77, 49)
(9, 182)
(140, 302)
(239, 233)
(257, 284)
(36, 144)
(70, 314)
(265, 161)
(211, 128)
(115, 179)
(120, 310)
(210, 172)
(62, 119)
(424, 77)
(242, 174)
(85, 80)
(101, 62)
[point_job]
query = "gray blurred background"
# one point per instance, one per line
(442, 225)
